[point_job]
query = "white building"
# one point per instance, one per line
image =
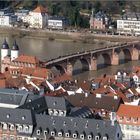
(7, 20)
(21, 14)
(57, 23)
(128, 116)
(129, 24)
(37, 18)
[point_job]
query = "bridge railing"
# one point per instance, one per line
(90, 51)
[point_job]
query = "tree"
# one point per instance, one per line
(97, 6)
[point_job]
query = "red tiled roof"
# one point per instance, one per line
(40, 9)
(129, 111)
(37, 72)
(27, 59)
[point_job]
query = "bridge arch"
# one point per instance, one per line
(103, 60)
(124, 55)
(127, 54)
(80, 65)
(60, 69)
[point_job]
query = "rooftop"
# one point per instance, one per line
(27, 59)
(40, 9)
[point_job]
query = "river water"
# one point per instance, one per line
(45, 50)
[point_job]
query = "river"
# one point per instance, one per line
(45, 50)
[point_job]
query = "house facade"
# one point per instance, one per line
(128, 117)
(129, 24)
(7, 20)
(99, 21)
(37, 18)
(57, 23)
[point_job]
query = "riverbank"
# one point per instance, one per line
(64, 36)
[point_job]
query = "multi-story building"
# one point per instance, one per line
(57, 23)
(42, 117)
(21, 14)
(7, 20)
(22, 65)
(37, 18)
(99, 21)
(129, 24)
(128, 117)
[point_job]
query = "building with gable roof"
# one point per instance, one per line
(128, 117)
(37, 18)
(32, 121)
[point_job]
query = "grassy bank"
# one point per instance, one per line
(37, 34)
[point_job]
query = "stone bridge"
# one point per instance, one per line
(89, 58)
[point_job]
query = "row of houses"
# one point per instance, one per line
(105, 108)
(128, 23)
(38, 18)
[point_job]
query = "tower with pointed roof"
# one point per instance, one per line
(4, 50)
(14, 51)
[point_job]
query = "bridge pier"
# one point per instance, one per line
(114, 59)
(93, 64)
(134, 54)
(69, 69)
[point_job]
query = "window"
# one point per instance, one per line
(121, 118)
(135, 120)
(128, 119)
(38, 132)
(74, 135)
(67, 135)
(4, 126)
(89, 137)
(60, 134)
(11, 127)
(12, 138)
(82, 136)
(127, 127)
(26, 129)
(104, 138)
(20, 128)
(52, 133)
(97, 138)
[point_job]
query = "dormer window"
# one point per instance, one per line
(46, 132)
(64, 123)
(67, 135)
(50, 111)
(23, 117)
(20, 128)
(135, 120)
(75, 124)
(61, 113)
(104, 138)
(128, 119)
(82, 136)
(5, 126)
(56, 112)
(8, 116)
(86, 125)
(53, 133)
(12, 127)
(53, 122)
(97, 138)
(38, 132)
(75, 135)
(26, 129)
(121, 118)
(90, 136)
